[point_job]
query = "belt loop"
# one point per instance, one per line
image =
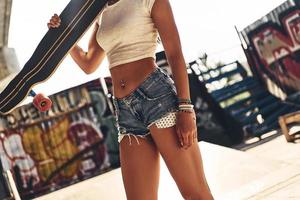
(127, 102)
(159, 69)
(140, 93)
(163, 72)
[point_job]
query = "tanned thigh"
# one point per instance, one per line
(185, 165)
(140, 168)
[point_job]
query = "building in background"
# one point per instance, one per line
(273, 48)
(76, 139)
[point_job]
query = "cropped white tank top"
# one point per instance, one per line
(126, 31)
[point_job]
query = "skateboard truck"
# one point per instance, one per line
(40, 101)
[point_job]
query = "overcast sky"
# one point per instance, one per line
(204, 26)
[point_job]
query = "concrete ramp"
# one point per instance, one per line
(231, 174)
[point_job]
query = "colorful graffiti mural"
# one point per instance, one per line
(273, 46)
(73, 141)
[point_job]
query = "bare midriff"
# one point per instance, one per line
(127, 77)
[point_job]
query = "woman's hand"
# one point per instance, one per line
(89, 60)
(54, 21)
(186, 128)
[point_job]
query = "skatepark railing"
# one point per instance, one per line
(243, 97)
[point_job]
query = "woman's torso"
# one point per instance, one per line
(126, 77)
(132, 74)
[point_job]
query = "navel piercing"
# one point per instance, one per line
(122, 83)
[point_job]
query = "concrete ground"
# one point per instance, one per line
(263, 170)
(286, 181)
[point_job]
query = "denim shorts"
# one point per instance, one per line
(153, 99)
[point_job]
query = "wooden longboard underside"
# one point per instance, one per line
(76, 18)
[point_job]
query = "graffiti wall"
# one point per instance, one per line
(274, 46)
(74, 140)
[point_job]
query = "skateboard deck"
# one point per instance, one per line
(76, 18)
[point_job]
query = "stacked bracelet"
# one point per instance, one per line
(186, 107)
(187, 111)
(187, 101)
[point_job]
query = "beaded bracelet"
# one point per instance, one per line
(191, 111)
(187, 111)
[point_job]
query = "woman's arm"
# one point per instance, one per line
(89, 61)
(163, 18)
(164, 21)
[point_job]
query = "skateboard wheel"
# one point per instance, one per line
(42, 102)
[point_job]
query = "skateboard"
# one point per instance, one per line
(76, 18)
